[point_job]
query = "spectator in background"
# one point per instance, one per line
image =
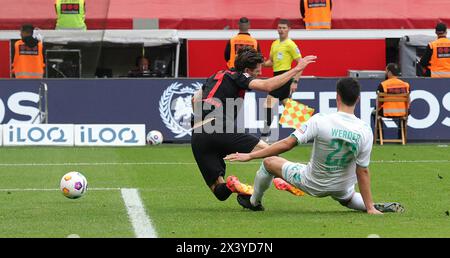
(243, 38)
(142, 68)
(70, 14)
(393, 85)
(283, 52)
(28, 55)
(436, 60)
(316, 13)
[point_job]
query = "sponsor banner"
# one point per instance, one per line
(42, 135)
(164, 104)
(110, 135)
(1, 135)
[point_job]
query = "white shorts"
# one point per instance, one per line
(295, 174)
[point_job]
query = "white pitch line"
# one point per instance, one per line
(411, 161)
(142, 224)
(183, 163)
(139, 219)
(52, 189)
(96, 164)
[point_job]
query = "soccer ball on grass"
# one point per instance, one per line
(154, 137)
(73, 185)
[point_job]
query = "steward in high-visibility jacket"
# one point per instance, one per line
(28, 56)
(436, 58)
(242, 39)
(70, 14)
(236, 43)
(393, 85)
(440, 59)
(316, 13)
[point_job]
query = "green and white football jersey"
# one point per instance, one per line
(341, 141)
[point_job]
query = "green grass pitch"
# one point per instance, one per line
(179, 203)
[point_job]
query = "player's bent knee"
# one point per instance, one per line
(261, 145)
(269, 163)
(274, 165)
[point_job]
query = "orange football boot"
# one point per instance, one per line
(280, 184)
(236, 186)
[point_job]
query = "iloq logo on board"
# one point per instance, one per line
(42, 134)
(110, 135)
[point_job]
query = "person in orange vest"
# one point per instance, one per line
(393, 85)
(436, 60)
(28, 55)
(243, 38)
(316, 13)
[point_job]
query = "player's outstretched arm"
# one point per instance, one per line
(196, 97)
(273, 150)
(268, 63)
(280, 80)
(363, 177)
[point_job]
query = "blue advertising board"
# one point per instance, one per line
(164, 104)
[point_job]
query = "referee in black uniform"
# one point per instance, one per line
(214, 127)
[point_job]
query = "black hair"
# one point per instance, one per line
(393, 68)
(27, 28)
(285, 21)
(244, 24)
(247, 57)
(441, 28)
(349, 90)
(243, 20)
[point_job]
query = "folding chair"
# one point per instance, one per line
(403, 119)
(42, 105)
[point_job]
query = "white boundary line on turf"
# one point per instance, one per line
(139, 219)
(182, 163)
(52, 189)
(142, 224)
(411, 161)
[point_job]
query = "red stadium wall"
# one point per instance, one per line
(4, 59)
(220, 14)
(335, 57)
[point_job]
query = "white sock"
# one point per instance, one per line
(356, 203)
(263, 179)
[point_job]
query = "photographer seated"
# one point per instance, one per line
(142, 68)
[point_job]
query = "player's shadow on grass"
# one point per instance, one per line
(290, 212)
(278, 212)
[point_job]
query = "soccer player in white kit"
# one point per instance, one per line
(340, 158)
